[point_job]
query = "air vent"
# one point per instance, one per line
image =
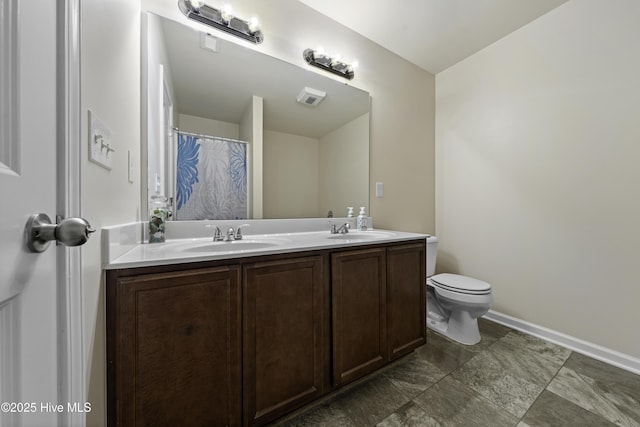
(208, 42)
(311, 97)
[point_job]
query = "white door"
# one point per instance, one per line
(31, 386)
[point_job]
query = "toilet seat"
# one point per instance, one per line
(460, 284)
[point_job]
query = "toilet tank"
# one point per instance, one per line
(432, 252)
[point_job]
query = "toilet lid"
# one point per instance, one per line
(462, 284)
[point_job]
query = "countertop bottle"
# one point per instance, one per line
(362, 219)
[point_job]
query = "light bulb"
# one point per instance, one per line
(355, 65)
(254, 24)
(336, 59)
(227, 12)
(196, 4)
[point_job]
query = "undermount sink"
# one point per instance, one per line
(235, 245)
(361, 235)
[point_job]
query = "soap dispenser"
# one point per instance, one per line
(349, 212)
(362, 220)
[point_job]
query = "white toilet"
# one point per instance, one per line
(454, 302)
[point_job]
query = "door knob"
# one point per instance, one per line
(39, 232)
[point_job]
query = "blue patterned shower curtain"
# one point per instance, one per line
(211, 178)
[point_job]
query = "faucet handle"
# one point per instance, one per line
(239, 231)
(217, 234)
(333, 229)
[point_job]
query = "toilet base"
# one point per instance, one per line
(463, 328)
(437, 323)
(458, 325)
(465, 333)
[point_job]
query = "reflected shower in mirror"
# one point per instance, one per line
(302, 160)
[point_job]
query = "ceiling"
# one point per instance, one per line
(434, 34)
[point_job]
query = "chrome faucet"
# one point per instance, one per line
(343, 229)
(234, 234)
(231, 235)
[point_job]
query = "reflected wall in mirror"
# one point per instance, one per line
(302, 161)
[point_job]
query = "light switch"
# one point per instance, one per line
(379, 189)
(101, 150)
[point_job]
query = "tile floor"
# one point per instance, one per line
(508, 379)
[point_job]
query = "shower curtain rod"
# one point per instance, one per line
(201, 135)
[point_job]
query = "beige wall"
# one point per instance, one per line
(402, 148)
(537, 171)
(206, 126)
(325, 175)
(290, 187)
(344, 168)
(110, 43)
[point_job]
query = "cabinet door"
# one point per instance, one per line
(283, 336)
(406, 281)
(178, 349)
(359, 313)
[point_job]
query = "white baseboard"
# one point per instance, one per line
(595, 351)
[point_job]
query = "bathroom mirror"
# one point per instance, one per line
(302, 161)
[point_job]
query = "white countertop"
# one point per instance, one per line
(186, 250)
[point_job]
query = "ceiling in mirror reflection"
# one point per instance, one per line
(221, 84)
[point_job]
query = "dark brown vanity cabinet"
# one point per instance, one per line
(378, 307)
(247, 340)
(406, 306)
(285, 323)
(175, 357)
(359, 313)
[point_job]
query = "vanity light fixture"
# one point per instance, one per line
(222, 19)
(335, 65)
